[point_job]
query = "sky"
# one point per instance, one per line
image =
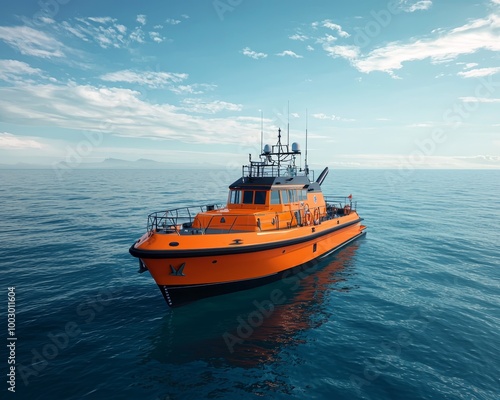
(376, 84)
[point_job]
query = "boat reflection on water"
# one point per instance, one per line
(248, 328)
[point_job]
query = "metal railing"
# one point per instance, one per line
(180, 220)
(338, 206)
(177, 218)
(258, 169)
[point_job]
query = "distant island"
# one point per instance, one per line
(112, 163)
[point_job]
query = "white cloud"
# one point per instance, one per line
(77, 31)
(195, 88)
(331, 117)
(299, 37)
(289, 53)
(121, 28)
(409, 6)
(479, 100)
(31, 42)
(421, 125)
(479, 72)
(210, 107)
(9, 141)
(253, 54)
(335, 27)
(146, 78)
(137, 35)
(470, 65)
(393, 161)
(13, 70)
(326, 39)
(156, 37)
(120, 112)
(310, 48)
(141, 18)
(347, 52)
(479, 34)
(107, 32)
(172, 21)
(485, 160)
(102, 20)
(46, 20)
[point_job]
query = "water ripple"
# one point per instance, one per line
(410, 311)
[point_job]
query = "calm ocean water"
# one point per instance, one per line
(410, 311)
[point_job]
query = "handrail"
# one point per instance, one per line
(182, 218)
(170, 220)
(341, 201)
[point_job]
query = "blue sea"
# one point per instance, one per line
(410, 311)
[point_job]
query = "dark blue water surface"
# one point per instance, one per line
(411, 311)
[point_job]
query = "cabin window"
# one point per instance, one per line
(260, 197)
(275, 197)
(235, 197)
(248, 197)
(289, 196)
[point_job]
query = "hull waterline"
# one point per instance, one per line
(185, 276)
(178, 295)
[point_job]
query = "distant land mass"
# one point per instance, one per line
(113, 163)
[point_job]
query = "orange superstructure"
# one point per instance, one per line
(275, 220)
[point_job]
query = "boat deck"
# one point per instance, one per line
(180, 221)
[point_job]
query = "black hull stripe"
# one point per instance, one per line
(179, 295)
(224, 251)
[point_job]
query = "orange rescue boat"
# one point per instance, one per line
(276, 219)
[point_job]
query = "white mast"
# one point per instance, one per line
(306, 166)
(288, 126)
(261, 131)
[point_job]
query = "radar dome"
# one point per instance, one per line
(295, 147)
(267, 149)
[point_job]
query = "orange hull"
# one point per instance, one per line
(239, 259)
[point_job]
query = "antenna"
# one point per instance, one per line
(279, 150)
(288, 126)
(306, 166)
(261, 131)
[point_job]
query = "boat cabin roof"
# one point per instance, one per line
(275, 183)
